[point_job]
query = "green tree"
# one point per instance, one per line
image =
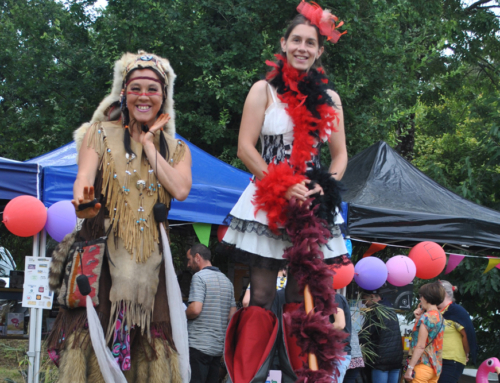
(47, 75)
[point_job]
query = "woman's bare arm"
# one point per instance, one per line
(83, 188)
(251, 125)
(337, 144)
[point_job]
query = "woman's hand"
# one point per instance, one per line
(88, 196)
(302, 192)
(418, 313)
(148, 137)
(298, 191)
(408, 374)
(316, 189)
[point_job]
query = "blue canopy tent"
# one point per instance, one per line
(216, 185)
(19, 178)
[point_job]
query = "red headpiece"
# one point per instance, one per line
(323, 19)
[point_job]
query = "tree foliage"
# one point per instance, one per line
(421, 75)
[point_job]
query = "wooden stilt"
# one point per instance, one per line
(309, 306)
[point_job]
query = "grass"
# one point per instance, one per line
(14, 363)
(9, 374)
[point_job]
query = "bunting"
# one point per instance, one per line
(374, 248)
(202, 231)
(453, 261)
(492, 262)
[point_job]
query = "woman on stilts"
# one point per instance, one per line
(289, 213)
(131, 162)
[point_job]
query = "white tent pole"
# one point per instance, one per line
(33, 323)
(39, 317)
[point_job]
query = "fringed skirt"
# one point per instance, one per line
(152, 358)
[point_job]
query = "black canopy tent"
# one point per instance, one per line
(392, 201)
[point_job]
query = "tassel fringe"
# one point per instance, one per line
(138, 243)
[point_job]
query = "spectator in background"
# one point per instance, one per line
(357, 362)
(382, 332)
(211, 306)
(342, 321)
(459, 344)
(427, 336)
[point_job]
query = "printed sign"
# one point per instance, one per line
(274, 376)
(36, 291)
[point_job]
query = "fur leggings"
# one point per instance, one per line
(158, 365)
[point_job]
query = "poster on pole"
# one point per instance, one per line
(36, 292)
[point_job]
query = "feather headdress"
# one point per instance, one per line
(323, 19)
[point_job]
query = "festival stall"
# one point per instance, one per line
(392, 203)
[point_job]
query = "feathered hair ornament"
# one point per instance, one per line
(323, 19)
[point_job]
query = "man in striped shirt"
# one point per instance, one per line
(211, 306)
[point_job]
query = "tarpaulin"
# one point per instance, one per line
(390, 199)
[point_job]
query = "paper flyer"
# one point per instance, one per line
(274, 376)
(36, 292)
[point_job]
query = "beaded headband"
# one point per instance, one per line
(141, 60)
(146, 61)
(323, 19)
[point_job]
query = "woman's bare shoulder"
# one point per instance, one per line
(260, 87)
(335, 97)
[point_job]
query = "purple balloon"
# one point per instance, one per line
(401, 270)
(370, 273)
(61, 220)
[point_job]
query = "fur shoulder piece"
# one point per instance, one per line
(78, 136)
(59, 260)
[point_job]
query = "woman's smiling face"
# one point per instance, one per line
(302, 47)
(144, 96)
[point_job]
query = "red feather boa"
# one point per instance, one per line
(270, 195)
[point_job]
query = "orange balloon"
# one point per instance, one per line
(429, 258)
(25, 216)
(343, 276)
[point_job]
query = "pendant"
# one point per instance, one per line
(141, 185)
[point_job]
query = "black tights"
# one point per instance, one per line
(263, 288)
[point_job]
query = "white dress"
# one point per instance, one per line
(248, 231)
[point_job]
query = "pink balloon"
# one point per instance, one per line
(401, 270)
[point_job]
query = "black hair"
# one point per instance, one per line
(164, 152)
(204, 251)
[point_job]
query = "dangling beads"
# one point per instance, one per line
(125, 187)
(141, 184)
(151, 182)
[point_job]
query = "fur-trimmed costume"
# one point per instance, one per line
(133, 305)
